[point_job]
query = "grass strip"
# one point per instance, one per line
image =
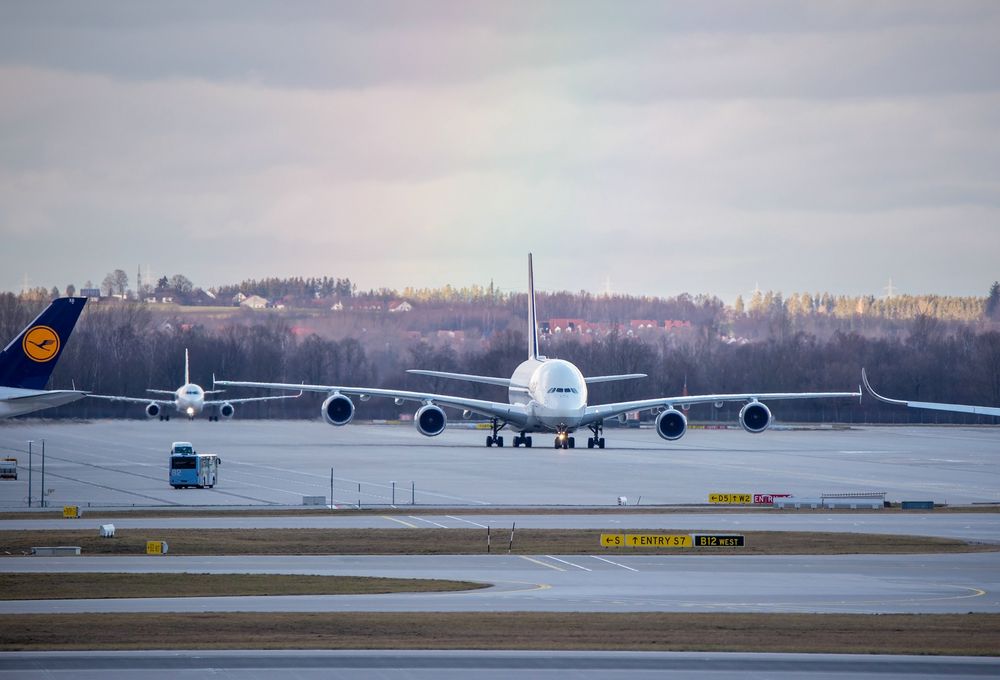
(932, 634)
(99, 514)
(63, 586)
(459, 542)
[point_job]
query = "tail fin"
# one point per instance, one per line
(187, 368)
(28, 360)
(532, 318)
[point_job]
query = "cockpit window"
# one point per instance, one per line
(564, 390)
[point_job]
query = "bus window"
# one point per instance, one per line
(183, 463)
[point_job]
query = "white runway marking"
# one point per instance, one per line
(572, 564)
(614, 563)
(468, 521)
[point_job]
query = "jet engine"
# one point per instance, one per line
(671, 424)
(430, 420)
(338, 410)
(755, 417)
(152, 410)
(226, 411)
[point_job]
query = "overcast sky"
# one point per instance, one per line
(662, 147)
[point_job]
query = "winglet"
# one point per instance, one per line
(532, 316)
(864, 380)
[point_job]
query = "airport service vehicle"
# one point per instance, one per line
(189, 400)
(27, 362)
(8, 468)
(544, 395)
(189, 468)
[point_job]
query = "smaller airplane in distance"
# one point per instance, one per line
(933, 405)
(189, 400)
(27, 362)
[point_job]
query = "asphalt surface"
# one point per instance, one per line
(267, 463)
(123, 464)
(604, 581)
(434, 665)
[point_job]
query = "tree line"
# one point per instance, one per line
(125, 349)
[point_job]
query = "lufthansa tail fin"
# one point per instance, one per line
(532, 317)
(28, 360)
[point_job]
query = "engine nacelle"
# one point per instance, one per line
(227, 411)
(755, 417)
(430, 420)
(338, 410)
(152, 410)
(671, 424)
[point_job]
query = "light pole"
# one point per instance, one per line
(43, 473)
(29, 472)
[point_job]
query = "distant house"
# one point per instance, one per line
(238, 299)
(400, 306)
(642, 324)
(338, 306)
(675, 325)
(254, 302)
(90, 292)
(566, 325)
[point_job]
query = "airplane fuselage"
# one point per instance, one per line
(189, 399)
(553, 390)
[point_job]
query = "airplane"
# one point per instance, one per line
(27, 362)
(189, 399)
(937, 406)
(544, 395)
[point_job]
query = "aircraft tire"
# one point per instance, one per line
(527, 442)
(600, 443)
(489, 441)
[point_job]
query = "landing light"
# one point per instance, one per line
(190, 411)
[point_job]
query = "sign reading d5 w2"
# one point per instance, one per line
(731, 498)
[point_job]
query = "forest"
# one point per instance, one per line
(126, 347)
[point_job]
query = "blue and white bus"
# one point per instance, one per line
(189, 468)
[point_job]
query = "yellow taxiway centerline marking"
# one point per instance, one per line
(393, 519)
(544, 564)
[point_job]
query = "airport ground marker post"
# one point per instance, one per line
(413, 493)
(510, 545)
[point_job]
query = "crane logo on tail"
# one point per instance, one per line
(41, 344)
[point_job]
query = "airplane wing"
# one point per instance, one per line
(936, 406)
(511, 413)
(602, 411)
(171, 392)
(612, 378)
(134, 400)
(220, 402)
(45, 398)
(486, 379)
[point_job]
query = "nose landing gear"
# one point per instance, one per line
(564, 441)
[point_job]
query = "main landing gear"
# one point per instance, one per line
(522, 440)
(597, 440)
(493, 438)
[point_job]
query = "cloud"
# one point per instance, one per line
(671, 148)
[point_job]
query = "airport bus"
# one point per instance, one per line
(189, 468)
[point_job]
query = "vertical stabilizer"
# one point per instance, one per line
(187, 369)
(532, 317)
(28, 360)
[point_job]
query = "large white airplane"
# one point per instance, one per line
(544, 395)
(27, 362)
(189, 400)
(933, 405)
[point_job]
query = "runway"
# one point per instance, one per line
(435, 665)
(606, 582)
(268, 463)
